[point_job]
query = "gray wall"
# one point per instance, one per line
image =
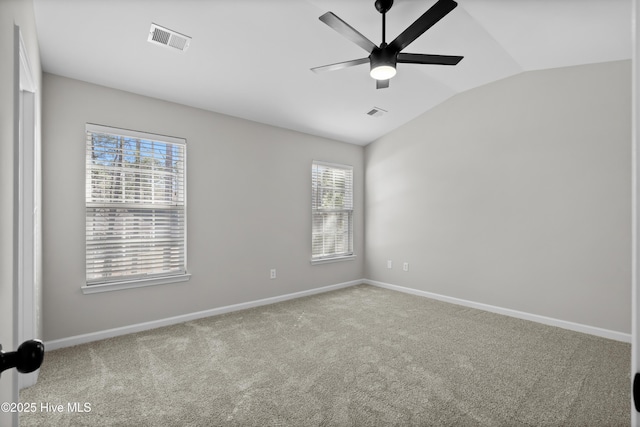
(516, 194)
(20, 13)
(249, 194)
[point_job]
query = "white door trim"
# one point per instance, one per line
(27, 195)
(635, 220)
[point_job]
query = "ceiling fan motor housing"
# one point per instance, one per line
(383, 56)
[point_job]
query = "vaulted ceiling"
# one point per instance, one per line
(252, 58)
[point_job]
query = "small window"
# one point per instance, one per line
(332, 211)
(135, 207)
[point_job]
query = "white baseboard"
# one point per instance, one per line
(139, 327)
(605, 333)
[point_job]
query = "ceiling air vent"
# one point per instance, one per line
(168, 38)
(376, 112)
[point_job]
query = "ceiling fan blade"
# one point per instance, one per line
(382, 84)
(347, 31)
(419, 58)
(340, 65)
(422, 24)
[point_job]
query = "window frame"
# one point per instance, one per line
(348, 255)
(151, 279)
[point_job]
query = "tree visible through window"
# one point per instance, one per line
(135, 205)
(332, 211)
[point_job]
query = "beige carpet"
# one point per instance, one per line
(361, 356)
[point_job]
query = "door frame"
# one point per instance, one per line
(27, 204)
(635, 211)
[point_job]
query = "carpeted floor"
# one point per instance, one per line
(361, 356)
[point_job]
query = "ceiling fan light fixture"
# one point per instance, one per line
(383, 72)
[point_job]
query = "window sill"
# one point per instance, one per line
(330, 260)
(138, 283)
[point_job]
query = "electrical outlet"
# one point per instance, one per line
(389, 263)
(273, 273)
(405, 266)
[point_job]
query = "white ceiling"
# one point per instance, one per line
(252, 58)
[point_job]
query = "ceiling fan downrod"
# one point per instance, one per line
(383, 7)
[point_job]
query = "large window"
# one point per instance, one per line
(332, 212)
(135, 208)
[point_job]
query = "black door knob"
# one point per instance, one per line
(26, 359)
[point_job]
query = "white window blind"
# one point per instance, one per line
(332, 211)
(135, 205)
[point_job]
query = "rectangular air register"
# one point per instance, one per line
(377, 112)
(168, 38)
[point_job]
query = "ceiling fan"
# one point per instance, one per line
(383, 58)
